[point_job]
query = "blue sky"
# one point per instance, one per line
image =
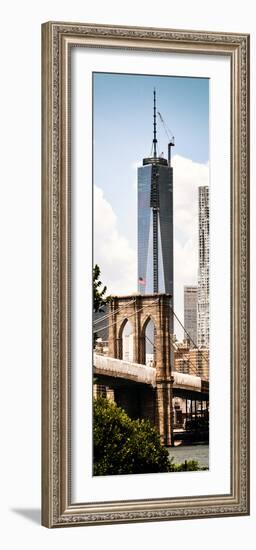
(123, 133)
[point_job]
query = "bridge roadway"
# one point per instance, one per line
(120, 371)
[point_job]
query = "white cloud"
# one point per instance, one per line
(136, 164)
(112, 252)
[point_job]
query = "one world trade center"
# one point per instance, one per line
(155, 221)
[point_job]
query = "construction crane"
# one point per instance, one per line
(171, 140)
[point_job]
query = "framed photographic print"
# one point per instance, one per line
(145, 274)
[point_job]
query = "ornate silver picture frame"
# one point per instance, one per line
(58, 42)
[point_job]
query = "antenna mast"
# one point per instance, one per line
(155, 140)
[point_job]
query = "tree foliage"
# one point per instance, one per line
(187, 466)
(125, 446)
(99, 291)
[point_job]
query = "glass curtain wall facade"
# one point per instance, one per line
(155, 227)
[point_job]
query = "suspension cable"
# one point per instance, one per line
(187, 333)
(115, 311)
(156, 347)
(128, 317)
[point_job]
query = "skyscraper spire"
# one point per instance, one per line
(154, 139)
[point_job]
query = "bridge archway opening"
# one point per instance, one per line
(126, 341)
(148, 351)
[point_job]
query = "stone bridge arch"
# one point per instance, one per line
(138, 309)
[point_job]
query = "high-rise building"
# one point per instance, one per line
(191, 360)
(199, 362)
(190, 314)
(155, 221)
(181, 357)
(203, 273)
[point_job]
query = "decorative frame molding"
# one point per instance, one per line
(57, 41)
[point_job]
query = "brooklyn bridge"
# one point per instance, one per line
(143, 390)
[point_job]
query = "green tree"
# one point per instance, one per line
(99, 298)
(99, 291)
(125, 446)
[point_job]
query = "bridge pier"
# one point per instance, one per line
(163, 418)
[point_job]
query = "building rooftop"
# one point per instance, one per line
(155, 160)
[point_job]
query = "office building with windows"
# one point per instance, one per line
(191, 360)
(190, 314)
(203, 272)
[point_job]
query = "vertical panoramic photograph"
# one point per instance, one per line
(151, 272)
